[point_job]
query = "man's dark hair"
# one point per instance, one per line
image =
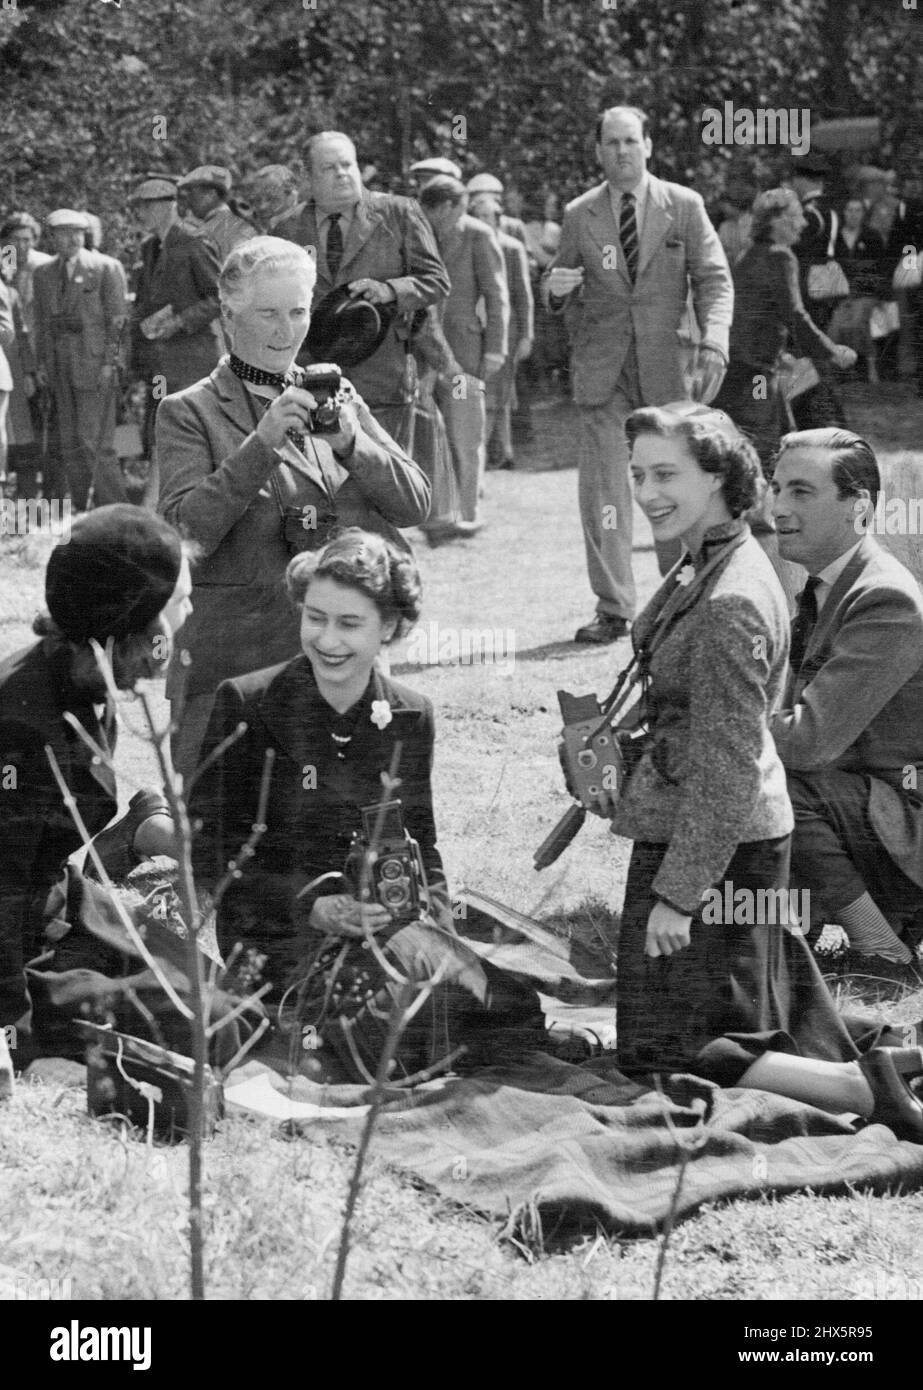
(632, 111)
(442, 189)
(853, 467)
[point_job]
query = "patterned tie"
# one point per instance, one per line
(334, 244)
(803, 623)
(628, 234)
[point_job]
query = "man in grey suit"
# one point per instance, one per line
(476, 326)
(80, 312)
(631, 250)
(379, 246)
(851, 730)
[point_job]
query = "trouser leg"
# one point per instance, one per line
(96, 435)
(76, 466)
(462, 403)
(606, 504)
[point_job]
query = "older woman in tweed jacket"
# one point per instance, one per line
(711, 978)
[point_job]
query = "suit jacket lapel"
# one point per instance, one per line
(830, 613)
(657, 222)
(232, 397)
(602, 227)
(364, 222)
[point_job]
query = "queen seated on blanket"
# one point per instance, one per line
(340, 732)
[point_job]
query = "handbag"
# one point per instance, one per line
(797, 376)
(828, 280)
(908, 277)
(884, 320)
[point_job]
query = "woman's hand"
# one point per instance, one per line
(290, 411)
(844, 357)
(667, 931)
(341, 914)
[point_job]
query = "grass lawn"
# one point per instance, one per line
(80, 1201)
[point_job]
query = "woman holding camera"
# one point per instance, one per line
(711, 978)
(340, 731)
(246, 474)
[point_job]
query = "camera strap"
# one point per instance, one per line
(637, 669)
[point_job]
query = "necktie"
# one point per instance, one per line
(803, 623)
(65, 282)
(628, 234)
(334, 244)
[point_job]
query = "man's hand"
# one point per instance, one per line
(563, 280)
(523, 350)
(491, 363)
(667, 931)
(375, 291)
(343, 915)
(710, 368)
(844, 357)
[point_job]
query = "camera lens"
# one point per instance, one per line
(395, 894)
(391, 868)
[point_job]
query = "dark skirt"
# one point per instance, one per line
(344, 997)
(735, 992)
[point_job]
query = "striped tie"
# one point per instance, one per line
(628, 234)
(334, 245)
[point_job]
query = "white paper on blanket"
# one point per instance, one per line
(258, 1096)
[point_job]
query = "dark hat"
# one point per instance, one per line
(346, 330)
(816, 165)
(115, 573)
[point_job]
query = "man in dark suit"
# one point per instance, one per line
(631, 250)
(476, 326)
(851, 730)
(174, 339)
(380, 246)
(80, 314)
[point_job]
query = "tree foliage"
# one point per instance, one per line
(95, 94)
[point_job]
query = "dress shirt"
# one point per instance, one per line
(831, 573)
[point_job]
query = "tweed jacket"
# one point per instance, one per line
(315, 797)
(182, 270)
(389, 239)
(37, 833)
(225, 230)
(96, 297)
(710, 777)
(474, 261)
(223, 488)
(519, 286)
(607, 315)
(857, 701)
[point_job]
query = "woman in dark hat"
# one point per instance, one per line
(121, 579)
(248, 475)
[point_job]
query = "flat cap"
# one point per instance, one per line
(67, 217)
(155, 188)
(484, 183)
(436, 165)
(211, 175)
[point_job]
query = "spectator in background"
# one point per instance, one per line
(859, 250)
(7, 341)
(29, 409)
(734, 231)
(489, 183)
(275, 199)
(217, 215)
(173, 340)
(80, 314)
(474, 263)
(501, 387)
(814, 247)
(21, 232)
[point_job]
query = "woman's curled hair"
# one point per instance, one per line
(366, 562)
(713, 440)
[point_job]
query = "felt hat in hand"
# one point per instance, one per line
(347, 330)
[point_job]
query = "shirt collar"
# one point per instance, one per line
(831, 573)
(639, 191)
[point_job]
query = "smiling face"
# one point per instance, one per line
(814, 525)
(678, 497)
(336, 183)
(342, 632)
(623, 151)
(268, 327)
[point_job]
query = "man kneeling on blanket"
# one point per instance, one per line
(850, 729)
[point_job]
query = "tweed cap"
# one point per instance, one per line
(484, 183)
(67, 217)
(436, 165)
(114, 574)
(209, 175)
(154, 188)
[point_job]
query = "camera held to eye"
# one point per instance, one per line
(324, 381)
(384, 864)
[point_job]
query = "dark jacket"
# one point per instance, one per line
(217, 487)
(315, 798)
(769, 312)
(182, 271)
(857, 701)
(710, 778)
(37, 833)
(390, 240)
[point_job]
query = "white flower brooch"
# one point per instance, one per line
(686, 576)
(381, 714)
